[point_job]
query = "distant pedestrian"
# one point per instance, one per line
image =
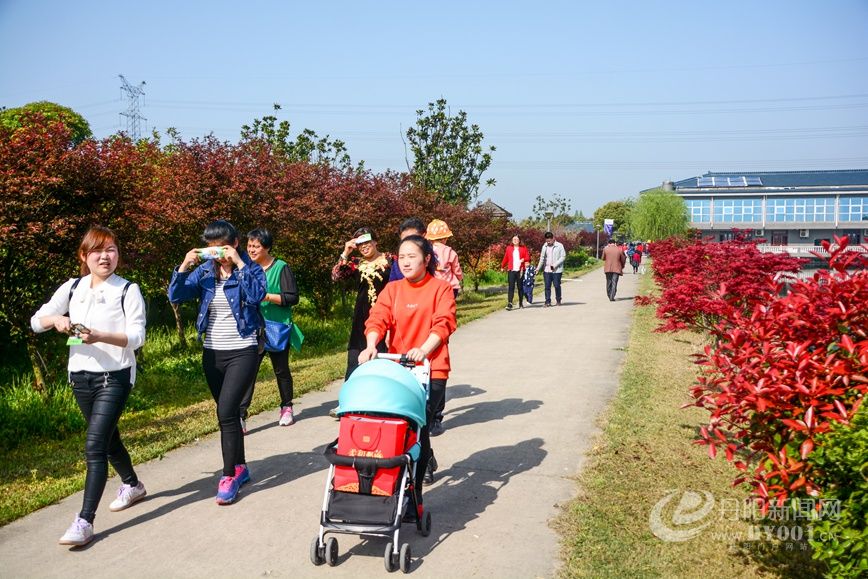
(229, 286)
(635, 260)
(408, 227)
(448, 268)
(281, 293)
(551, 264)
(614, 260)
(527, 283)
(515, 259)
(105, 315)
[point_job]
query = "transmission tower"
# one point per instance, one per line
(135, 96)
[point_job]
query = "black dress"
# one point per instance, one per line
(371, 277)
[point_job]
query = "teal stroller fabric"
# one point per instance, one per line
(383, 387)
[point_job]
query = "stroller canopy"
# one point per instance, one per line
(383, 387)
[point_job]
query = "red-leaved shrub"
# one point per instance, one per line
(703, 282)
(784, 371)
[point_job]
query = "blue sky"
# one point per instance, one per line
(593, 102)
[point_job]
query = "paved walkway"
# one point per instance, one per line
(523, 400)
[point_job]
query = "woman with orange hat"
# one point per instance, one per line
(448, 268)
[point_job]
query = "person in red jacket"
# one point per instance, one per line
(419, 313)
(515, 258)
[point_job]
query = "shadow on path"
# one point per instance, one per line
(267, 473)
(487, 411)
(466, 490)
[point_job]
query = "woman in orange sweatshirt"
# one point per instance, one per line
(419, 311)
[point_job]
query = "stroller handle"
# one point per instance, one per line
(402, 359)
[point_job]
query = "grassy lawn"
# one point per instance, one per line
(645, 453)
(170, 406)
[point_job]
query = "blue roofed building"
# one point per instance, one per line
(784, 207)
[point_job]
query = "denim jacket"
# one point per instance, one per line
(244, 289)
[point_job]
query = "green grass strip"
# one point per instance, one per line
(645, 452)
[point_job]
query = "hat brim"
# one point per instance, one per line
(446, 235)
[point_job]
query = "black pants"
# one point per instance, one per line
(353, 358)
(612, 285)
(436, 396)
(229, 373)
(514, 278)
(550, 279)
(283, 375)
(101, 396)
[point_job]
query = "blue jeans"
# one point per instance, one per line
(552, 278)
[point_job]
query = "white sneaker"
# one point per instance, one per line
(79, 533)
(286, 417)
(127, 496)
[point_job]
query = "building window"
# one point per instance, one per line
(737, 210)
(700, 210)
(853, 209)
(801, 209)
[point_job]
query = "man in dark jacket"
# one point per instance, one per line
(614, 261)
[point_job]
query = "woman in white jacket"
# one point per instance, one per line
(105, 316)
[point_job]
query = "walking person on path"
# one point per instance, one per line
(229, 286)
(371, 274)
(410, 226)
(449, 270)
(447, 267)
(281, 293)
(419, 314)
(551, 263)
(614, 260)
(515, 258)
(636, 260)
(105, 314)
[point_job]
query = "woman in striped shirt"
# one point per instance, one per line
(229, 286)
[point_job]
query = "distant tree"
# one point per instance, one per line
(307, 146)
(658, 215)
(620, 211)
(448, 156)
(557, 205)
(15, 118)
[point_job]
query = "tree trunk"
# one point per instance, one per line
(36, 363)
(179, 325)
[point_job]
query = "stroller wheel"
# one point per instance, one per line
(424, 525)
(390, 561)
(331, 551)
(317, 553)
(404, 558)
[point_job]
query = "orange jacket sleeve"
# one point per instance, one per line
(380, 318)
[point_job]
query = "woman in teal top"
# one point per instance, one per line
(281, 293)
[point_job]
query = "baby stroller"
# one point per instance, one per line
(370, 484)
